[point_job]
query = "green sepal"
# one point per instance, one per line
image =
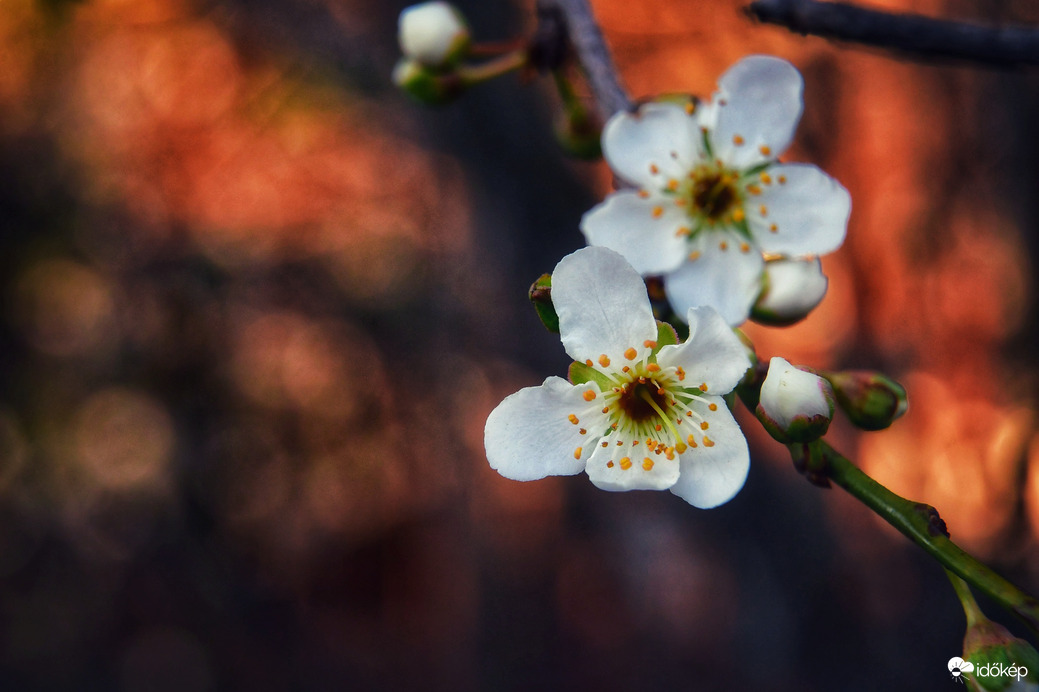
(666, 336)
(580, 373)
(540, 295)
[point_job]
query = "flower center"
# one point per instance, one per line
(712, 193)
(635, 400)
(649, 412)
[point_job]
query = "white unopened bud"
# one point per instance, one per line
(793, 287)
(795, 406)
(433, 33)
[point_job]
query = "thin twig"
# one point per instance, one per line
(594, 56)
(921, 524)
(911, 34)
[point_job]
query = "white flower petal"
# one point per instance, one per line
(643, 230)
(606, 471)
(712, 355)
(711, 476)
(530, 436)
(728, 280)
(805, 211)
(758, 104)
(646, 148)
(602, 306)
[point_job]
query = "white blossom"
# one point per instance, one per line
(710, 197)
(641, 411)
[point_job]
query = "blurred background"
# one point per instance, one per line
(256, 307)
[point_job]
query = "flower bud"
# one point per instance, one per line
(792, 289)
(795, 406)
(579, 134)
(873, 401)
(540, 295)
(433, 33)
(424, 85)
(1000, 661)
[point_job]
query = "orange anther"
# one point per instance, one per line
(630, 353)
(647, 463)
(625, 463)
(573, 419)
(589, 395)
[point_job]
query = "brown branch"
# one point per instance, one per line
(910, 34)
(594, 56)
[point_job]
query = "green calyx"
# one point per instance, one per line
(871, 400)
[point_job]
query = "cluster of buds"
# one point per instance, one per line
(434, 38)
(796, 406)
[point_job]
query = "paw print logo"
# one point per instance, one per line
(958, 667)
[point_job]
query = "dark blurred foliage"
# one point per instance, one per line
(257, 306)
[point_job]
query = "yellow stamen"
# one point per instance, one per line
(625, 463)
(647, 463)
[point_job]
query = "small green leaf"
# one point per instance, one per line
(541, 296)
(580, 373)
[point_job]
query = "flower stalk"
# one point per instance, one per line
(921, 524)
